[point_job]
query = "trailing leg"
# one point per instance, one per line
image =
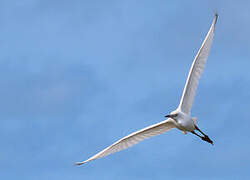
(204, 138)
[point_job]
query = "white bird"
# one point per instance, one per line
(180, 118)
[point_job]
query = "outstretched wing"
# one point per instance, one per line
(196, 71)
(133, 139)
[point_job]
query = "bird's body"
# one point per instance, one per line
(184, 122)
(180, 118)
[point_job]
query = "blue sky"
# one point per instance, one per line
(78, 75)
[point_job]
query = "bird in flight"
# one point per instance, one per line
(181, 117)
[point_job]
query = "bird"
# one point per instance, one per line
(181, 117)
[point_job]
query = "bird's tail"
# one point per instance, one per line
(195, 120)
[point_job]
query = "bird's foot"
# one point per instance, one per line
(206, 138)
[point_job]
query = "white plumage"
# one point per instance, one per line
(134, 138)
(196, 71)
(180, 118)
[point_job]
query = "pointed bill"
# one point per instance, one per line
(196, 71)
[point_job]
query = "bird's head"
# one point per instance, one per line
(172, 115)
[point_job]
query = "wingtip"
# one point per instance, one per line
(79, 163)
(215, 17)
(216, 14)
